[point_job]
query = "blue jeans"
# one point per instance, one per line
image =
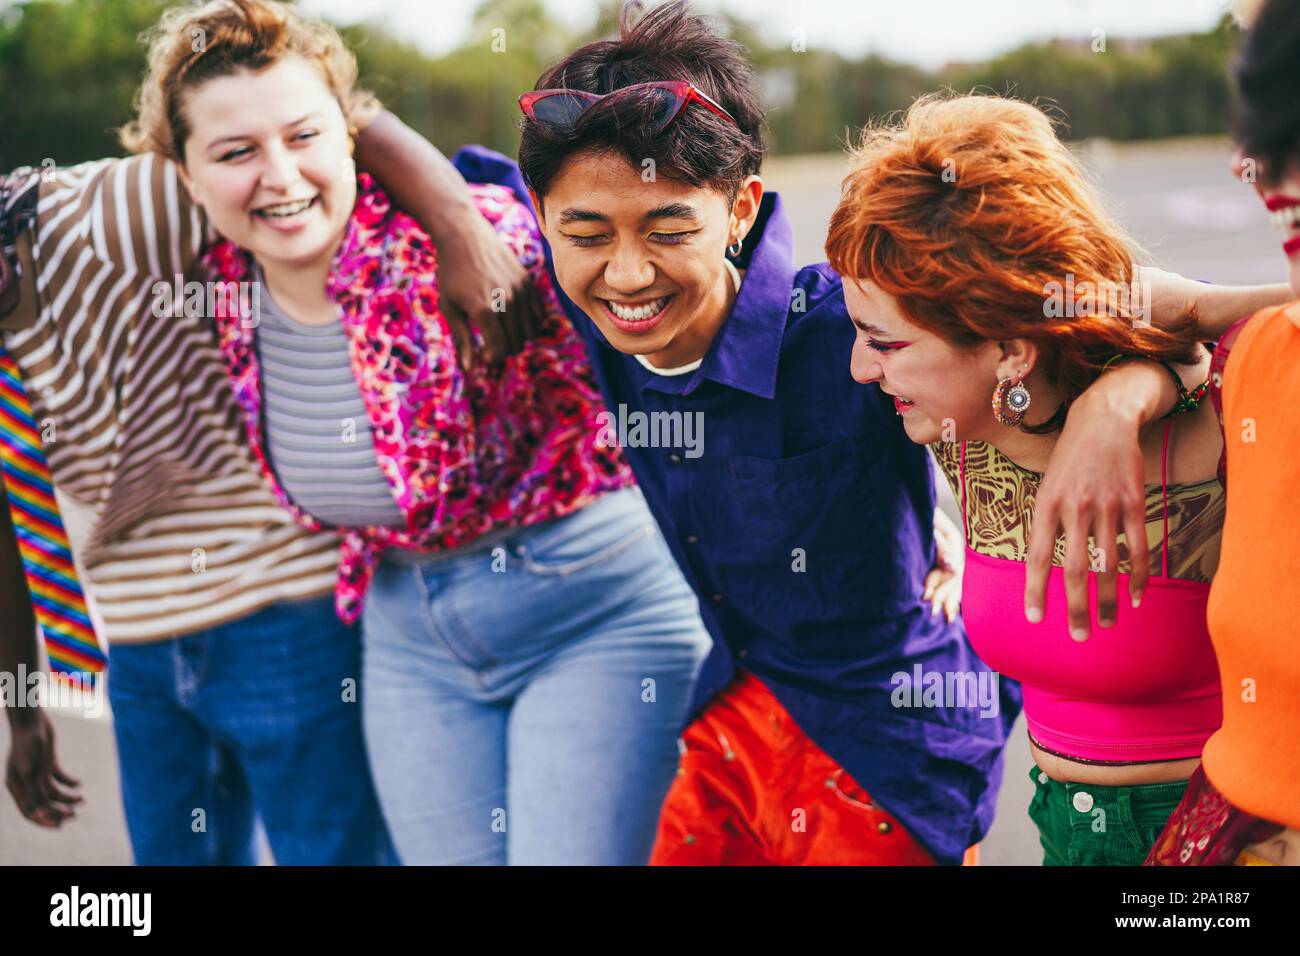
(522, 703)
(250, 719)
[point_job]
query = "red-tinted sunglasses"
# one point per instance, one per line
(562, 108)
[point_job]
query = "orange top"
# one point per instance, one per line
(1254, 610)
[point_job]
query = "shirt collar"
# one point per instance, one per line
(747, 349)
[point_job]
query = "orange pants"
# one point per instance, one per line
(752, 789)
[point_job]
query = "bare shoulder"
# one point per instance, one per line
(1195, 444)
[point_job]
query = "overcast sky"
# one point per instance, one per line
(928, 32)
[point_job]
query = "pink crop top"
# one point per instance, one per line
(1146, 689)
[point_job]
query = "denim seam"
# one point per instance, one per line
(212, 823)
(186, 684)
(440, 634)
(541, 569)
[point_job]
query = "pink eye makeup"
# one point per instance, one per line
(879, 346)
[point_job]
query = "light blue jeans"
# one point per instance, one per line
(522, 701)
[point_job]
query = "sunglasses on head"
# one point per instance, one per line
(562, 108)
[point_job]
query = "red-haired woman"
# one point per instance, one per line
(990, 289)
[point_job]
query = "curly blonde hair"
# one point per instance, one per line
(193, 44)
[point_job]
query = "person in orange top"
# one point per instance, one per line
(1243, 806)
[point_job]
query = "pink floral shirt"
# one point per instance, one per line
(465, 453)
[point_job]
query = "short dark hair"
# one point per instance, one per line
(699, 147)
(1266, 119)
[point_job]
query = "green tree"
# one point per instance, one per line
(69, 70)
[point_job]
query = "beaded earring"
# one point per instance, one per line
(1009, 406)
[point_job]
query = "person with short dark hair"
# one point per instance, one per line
(830, 725)
(823, 730)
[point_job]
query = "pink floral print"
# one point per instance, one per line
(465, 453)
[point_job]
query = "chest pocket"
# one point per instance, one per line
(830, 543)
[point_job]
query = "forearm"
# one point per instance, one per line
(17, 616)
(416, 175)
(1139, 391)
(1218, 306)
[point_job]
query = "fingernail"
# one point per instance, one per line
(1033, 614)
(1079, 633)
(1137, 600)
(1106, 622)
(934, 610)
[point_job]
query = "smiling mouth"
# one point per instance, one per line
(641, 312)
(1284, 218)
(286, 210)
(900, 404)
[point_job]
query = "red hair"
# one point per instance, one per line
(974, 215)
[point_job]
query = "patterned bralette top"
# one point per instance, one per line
(1000, 501)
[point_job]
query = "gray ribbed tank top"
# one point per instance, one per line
(317, 429)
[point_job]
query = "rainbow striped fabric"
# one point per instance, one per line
(57, 596)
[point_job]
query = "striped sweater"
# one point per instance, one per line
(140, 423)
